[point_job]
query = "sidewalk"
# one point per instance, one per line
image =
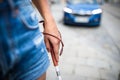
(113, 9)
(80, 60)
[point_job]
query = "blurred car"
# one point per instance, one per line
(82, 12)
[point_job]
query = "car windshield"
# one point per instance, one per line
(82, 1)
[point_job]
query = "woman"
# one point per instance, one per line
(23, 54)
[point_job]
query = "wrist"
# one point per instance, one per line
(50, 25)
(49, 19)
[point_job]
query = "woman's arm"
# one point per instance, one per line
(44, 9)
(49, 25)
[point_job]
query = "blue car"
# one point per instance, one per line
(82, 12)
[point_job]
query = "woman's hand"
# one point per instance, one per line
(52, 44)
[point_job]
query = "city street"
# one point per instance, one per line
(90, 53)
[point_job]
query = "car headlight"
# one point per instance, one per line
(97, 11)
(68, 10)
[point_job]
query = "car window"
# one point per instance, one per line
(82, 1)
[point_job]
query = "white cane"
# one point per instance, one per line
(58, 72)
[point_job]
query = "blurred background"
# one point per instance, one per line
(91, 34)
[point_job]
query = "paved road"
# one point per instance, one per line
(89, 53)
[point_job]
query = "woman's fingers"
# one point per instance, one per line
(55, 62)
(52, 45)
(47, 43)
(54, 48)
